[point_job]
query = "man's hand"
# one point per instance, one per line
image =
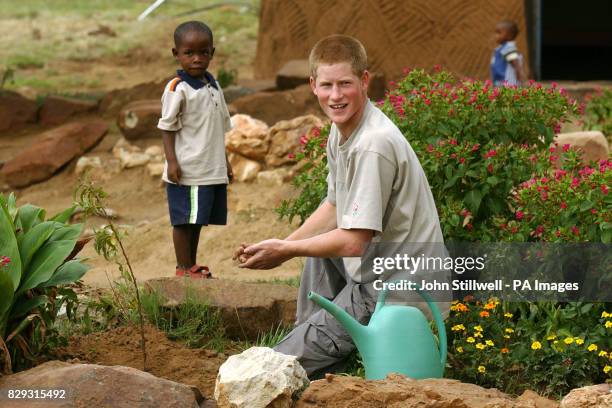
(174, 171)
(239, 254)
(266, 254)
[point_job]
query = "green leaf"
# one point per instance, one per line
(66, 232)
(28, 216)
(33, 240)
(472, 200)
(44, 263)
(492, 180)
(64, 216)
(452, 181)
(586, 205)
(24, 307)
(6, 299)
(9, 247)
(69, 272)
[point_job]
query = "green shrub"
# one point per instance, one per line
(547, 347)
(226, 77)
(33, 282)
(598, 112)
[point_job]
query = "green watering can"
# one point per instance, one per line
(397, 339)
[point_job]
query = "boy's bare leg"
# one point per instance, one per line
(194, 240)
(181, 236)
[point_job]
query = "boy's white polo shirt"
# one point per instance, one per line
(197, 112)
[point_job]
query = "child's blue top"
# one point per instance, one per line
(502, 69)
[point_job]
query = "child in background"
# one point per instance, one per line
(507, 62)
(194, 120)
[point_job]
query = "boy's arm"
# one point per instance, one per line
(518, 69)
(174, 170)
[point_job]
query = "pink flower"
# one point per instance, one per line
(453, 142)
(437, 68)
(519, 215)
(566, 147)
(406, 70)
(575, 182)
(564, 205)
(291, 156)
(490, 168)
(462, 160)
(490, 153)
(558, 233)
(430, 148)
(604, 189)
(593, 211)
(303, 139)
(4, 260)
(539, 230)
(575, 230)
(554, 85)
(475, 147)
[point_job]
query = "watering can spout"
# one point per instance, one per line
(352, 326)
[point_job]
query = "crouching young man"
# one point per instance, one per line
(377, 192)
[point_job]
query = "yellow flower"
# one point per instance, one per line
(603, 354)
(509, 330)
(608, 324)
(505, 350)
(460, 349)
(568, 340)
(605, 314)
(482, 369)
(470, 340)
(508, 315)
(480, 346)
(458, 327)
(484, 313)
(536, 345)
(477, 334)
(478, 328)
(607, 369)
(489, 343)
(579, 342)
(506, 336)
(459, 307)
(490, 306)
(592, 347)
(551, 337)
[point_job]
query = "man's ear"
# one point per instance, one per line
(313, 85)
(365, 79)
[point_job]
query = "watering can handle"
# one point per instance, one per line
(435, 313)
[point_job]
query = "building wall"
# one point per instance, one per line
(458, 34)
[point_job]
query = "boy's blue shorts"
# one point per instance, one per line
(201, 205)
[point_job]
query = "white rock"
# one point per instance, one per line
(85, 163)
(155, 152)
(258, 376)
(155, 169)
(274, 177)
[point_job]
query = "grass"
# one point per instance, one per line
(54, 35)
(293, 281)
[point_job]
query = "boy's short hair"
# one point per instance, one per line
(189, 26)
(338, 48)
(510, 26)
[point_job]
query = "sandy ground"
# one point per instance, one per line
(140, 202)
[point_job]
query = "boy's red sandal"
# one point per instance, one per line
(195, 272)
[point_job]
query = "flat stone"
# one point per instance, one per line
(272, 107)
(92, 385)
(293, 74)
(592, 144)
(56, 110)
(138, 119)
(52, 150)
(247, 309)
(16, 110)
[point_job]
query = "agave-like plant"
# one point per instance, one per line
(41, 252)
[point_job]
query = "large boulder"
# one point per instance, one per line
(272, 107)
(592, 144)
(114, 100)
(258, 378)
(285, 138)
(52, 150)
(56, 110)
(593, 396)
(139, 119)
(248, 137)
(91, 385)
(247, 309)
(293, 74)
(16, 110)
(397, 391)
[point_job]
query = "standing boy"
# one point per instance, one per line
(507, 62)
(377, 192)
(193, 123)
